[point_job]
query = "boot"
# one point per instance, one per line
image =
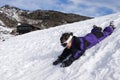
(112, 24)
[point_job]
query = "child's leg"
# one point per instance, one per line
(97, 31)
(108, 30)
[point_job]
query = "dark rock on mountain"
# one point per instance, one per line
(41, 19)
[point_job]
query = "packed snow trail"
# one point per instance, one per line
(30, 56)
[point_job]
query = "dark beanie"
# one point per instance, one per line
(65, 36)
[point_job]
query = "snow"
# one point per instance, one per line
(5, 33)
(1, 11)
(30, 56)
(15, 16)
(11, 12)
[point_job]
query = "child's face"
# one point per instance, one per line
(69, 45)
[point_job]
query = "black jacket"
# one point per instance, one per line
(75, 49)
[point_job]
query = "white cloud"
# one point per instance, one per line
(92, 7)
(24, 4)
(84, 7)
(34, 4)
(112, 4)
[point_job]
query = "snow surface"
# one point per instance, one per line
(5, 33)
(30, 56)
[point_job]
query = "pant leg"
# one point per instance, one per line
(97, 31)
(108, 30)
(92, 39)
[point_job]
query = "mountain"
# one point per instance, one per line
(41, 19)
(30, 56)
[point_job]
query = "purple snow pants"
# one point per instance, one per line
(94, 40)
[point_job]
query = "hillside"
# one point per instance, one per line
(30, 56)
(42, 19)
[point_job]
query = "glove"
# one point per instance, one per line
(67, 62)
(57, 62)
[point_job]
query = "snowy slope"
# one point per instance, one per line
(5, 33)
(30, 56)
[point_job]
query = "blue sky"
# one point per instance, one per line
(93, 8)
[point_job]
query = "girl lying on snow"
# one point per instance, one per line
(76, 46)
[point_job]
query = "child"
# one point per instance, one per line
(76, 46)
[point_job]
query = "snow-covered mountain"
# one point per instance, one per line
(10, 16)
(30, 56)
(43, 19)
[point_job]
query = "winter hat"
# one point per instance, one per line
(66, 38)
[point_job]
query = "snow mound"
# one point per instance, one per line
(30, 56)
